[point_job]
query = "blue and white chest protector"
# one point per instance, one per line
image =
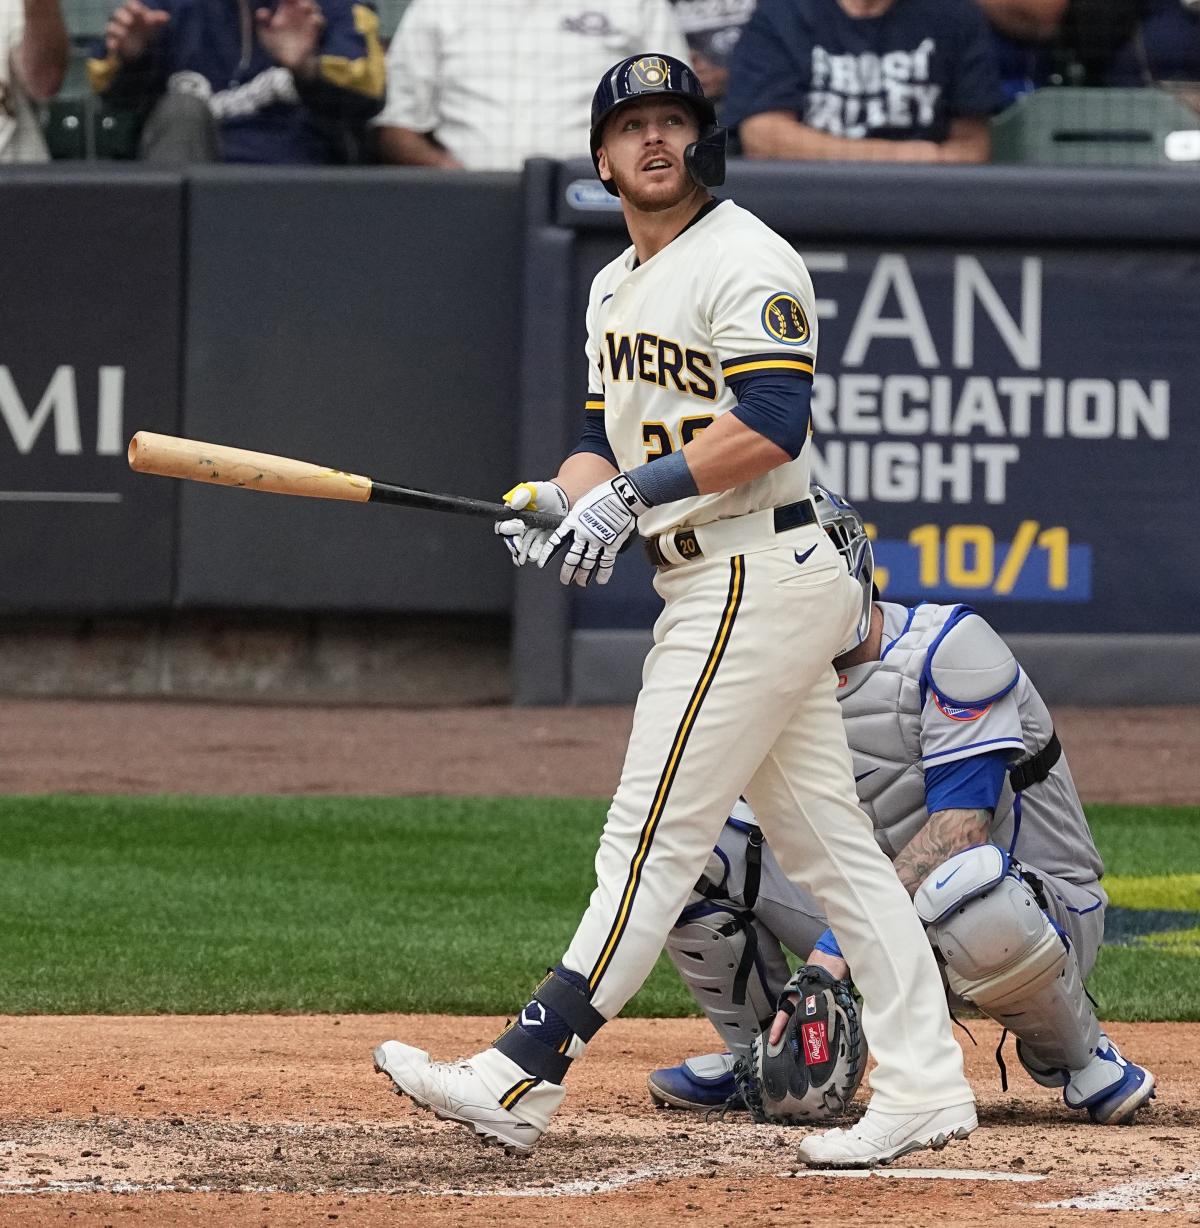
(947, 687)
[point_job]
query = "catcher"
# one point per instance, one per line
(961, 773)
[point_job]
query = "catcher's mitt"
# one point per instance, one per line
(815, 1069)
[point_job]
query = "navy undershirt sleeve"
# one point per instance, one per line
(777, 407)
(595, 438)
(966, 784)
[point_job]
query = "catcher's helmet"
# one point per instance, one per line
(637, 76)
(845, 527)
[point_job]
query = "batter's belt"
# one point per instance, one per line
(726, 537)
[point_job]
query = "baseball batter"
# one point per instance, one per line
(959, 768)
(701, 343)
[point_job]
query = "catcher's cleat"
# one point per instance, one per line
(1110, 1087)
(454, 1091)
(700, 1083)
(1128, 1088)
(880, 1138)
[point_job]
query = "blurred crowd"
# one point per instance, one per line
(486, 84)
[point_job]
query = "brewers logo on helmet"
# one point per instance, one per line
(651, 71)
(648, 74)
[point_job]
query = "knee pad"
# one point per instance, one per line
(1004, 955)
(716, 949)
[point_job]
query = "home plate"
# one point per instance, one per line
(915, 1174)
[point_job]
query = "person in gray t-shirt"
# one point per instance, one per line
(964, 779)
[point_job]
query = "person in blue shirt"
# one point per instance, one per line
(1163, 48)
(892, 80)
(1024, 34)
(288, 82)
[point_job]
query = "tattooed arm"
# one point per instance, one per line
(947, 832)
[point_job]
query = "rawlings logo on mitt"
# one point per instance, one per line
(815, 1069)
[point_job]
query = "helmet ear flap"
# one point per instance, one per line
(705, 158)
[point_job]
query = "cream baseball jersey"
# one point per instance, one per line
(672, 340)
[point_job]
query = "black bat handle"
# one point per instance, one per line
(462, 505)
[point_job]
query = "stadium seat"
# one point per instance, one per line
(1072, 126)
(78, 125)
(81, 127)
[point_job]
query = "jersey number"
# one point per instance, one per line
(656, 436)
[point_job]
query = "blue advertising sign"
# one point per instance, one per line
(1005, 421)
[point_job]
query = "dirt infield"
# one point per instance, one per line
(1137, 755)
(252, 1120)
(224, 1120)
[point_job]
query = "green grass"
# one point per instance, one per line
(414, 904)
(1153, 858)
(280, 904)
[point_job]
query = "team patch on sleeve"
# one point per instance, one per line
(784, 320)
(959, 712)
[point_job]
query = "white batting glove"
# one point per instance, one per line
(525, 543)
(595, 529)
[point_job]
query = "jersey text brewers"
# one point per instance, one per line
(673, 344)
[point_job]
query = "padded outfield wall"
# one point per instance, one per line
(1005, 388)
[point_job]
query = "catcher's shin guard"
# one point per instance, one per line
(727, 961)
(1003, 955)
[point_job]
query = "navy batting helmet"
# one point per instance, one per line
(639, 76)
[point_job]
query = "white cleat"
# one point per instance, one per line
(454, 1091)
(880, 1138)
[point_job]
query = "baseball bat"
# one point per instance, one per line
(173, 457)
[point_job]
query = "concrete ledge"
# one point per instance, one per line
(406, 661)
(606, 667)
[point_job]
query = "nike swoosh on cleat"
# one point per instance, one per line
(939, 885)
(801, 557)
(865, 775)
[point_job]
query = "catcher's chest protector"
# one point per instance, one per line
(881, 706)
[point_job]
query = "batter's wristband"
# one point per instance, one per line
(663, 480)
(827, 944)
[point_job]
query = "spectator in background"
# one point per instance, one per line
(485, 84)
(1023, 35)
(33, 61)
(1162, 48)
(289, 83)
(893, 80)
(712, 29)
(1132, 43)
